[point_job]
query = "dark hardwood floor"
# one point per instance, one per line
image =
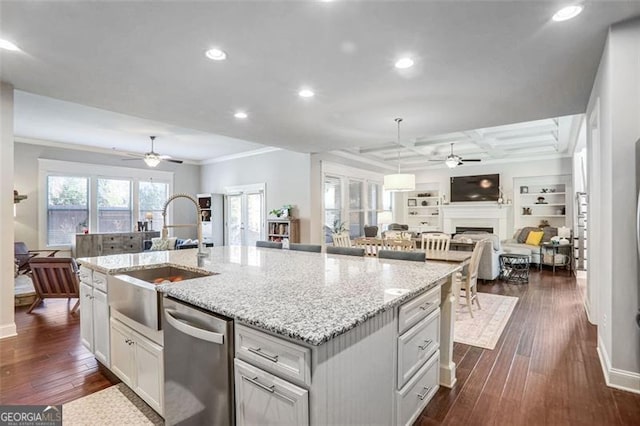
(544, 369)
(46, 363)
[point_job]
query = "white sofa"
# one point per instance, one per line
(489, 267)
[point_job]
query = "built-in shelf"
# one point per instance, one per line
(423, 221)
(543, 215)
(556, 211)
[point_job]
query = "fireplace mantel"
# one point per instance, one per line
(477, 215)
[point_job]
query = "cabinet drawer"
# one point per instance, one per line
(417, 345)
(264, 399)
(416, 394)
(416, 309)
(112, 239)
(275, 355)
(86, 275)
(100, 281)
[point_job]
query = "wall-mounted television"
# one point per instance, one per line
(475, 188)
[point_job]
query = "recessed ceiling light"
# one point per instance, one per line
(7, 45)
(403, 63)
(216, 54)
(306, 93)
(240, 114)
(567, 13)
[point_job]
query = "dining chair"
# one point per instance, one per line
(305, 247)
(269, 244)
(371, 246)
(341, 240)
(469, 284)
(55, 278)
(399, 245)
(22, 255)
(347, 251)
(415, 256)
(435, 241)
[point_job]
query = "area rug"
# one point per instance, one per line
(487, 324)
(117, 405)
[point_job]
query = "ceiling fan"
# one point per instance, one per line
(152, 158)
(453, 160)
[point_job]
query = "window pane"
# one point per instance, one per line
(152, 196)
(332, 194)
(355, 195)
(114, 205)
(254, 218)
(67, 208)
(356, 220)
(372, 217)
(373, 196)
(387, 203)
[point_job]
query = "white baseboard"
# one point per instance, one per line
(614, 377)
(8, 330)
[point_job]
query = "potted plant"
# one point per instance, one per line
(284, 211)
(339, 227)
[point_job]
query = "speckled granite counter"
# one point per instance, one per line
(306, 296)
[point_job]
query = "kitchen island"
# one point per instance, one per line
(358, 324)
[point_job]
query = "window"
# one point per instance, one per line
(152, 196)
(114, 205)
(374, 203)
(356, 210)
(67, 208)
(332, 205)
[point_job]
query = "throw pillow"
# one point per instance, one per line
(160, 244)
(172, 243)
(534, 238)
(549, 232)
(524, 234)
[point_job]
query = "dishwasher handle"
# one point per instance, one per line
(187, 328)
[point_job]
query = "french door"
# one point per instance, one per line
(245, 215)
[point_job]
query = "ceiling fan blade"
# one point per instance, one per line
(132, 159)
(471, 159)
(441, 160)
(171, 160)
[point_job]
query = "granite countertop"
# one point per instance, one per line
(310, 297)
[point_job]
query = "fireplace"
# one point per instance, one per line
(461, 229)
(489, 217)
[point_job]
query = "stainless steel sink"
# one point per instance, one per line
(134, 294)
(151, 275)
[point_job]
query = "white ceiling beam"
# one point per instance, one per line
(487, 144)
(547, 122)
(363, 159)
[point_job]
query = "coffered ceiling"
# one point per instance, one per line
(478, 64)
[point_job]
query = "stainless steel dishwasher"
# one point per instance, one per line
(198, 366)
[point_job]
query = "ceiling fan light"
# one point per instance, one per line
(400, 182)
(452, 162)
(152, 160)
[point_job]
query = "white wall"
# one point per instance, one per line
(285, 173)
(186, 179)
(7, 324)
(613, 255)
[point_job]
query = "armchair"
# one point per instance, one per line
(55, 278)
(23, 255)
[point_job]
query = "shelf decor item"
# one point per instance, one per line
(424, 204)
(412, 202)
(284, 211)
(524, 189)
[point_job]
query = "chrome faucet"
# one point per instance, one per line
(165, 228)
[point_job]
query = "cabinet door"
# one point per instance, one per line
(86, 316)
(101, 327)
(122, 353)
(264, 399)
(149, 365)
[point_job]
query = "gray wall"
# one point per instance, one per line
(613, 264)
(286, 174)
(186, 179)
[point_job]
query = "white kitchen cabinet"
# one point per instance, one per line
(94, 315)
(264, 399)
(122, 352)
(100, 327)
(139, 363)
(86, 315)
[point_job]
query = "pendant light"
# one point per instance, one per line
(399, 182)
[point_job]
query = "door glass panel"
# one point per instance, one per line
(234, 221)
(355, 195)
(254, 219)
(356, 220)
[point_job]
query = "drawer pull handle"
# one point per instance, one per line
(258, 351)
(426, 345)
(423, 395)
(255, 381)
(426, 306)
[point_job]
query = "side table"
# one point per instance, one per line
(514, 267)
(556, 255)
